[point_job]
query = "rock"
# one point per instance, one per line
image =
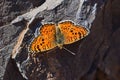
(29, 16)
(10, 8)
(8, 36)
(97, 55)
(37, 2)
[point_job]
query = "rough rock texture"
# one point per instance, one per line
(8, 33)
(97, 56)
(11, 8)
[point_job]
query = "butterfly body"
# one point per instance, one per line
(52, 35)
(59, 38)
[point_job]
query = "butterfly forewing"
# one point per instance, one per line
(72, 32)
(46, 40)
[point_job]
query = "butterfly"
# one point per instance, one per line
(56, 35)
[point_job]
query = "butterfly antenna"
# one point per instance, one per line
(69, 51)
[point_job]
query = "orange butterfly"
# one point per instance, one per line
(52, 35)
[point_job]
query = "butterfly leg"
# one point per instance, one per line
(69, 51)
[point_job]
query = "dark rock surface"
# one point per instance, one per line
(97, 56)
(11, 8)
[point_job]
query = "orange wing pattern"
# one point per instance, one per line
(46, 40)
(67, 33)
(72, 32)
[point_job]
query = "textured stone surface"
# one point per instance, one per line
(11, 8)
(8, 38)
(97, 56)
